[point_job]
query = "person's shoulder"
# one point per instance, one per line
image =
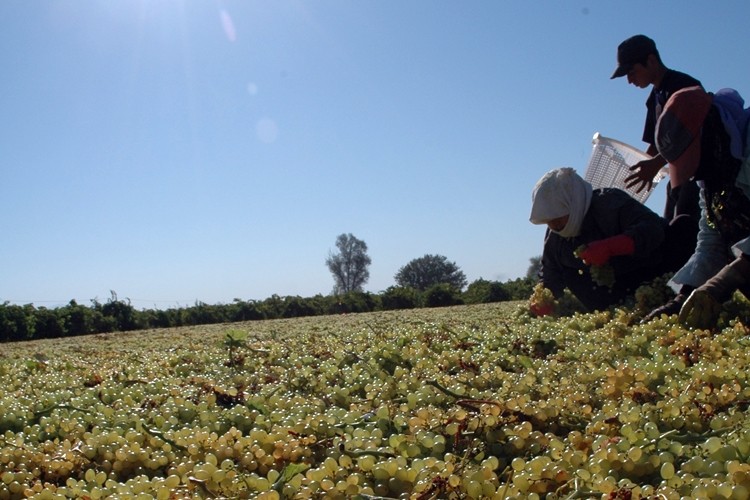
(611, 198)
(608, 197)
(610, 192)
(676, 80)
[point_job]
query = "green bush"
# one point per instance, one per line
(399, 297)
(354, 302)
(442, 295)
(483, 292)
(241, 310)
(520, 288)
(296, 307)
(16, 322)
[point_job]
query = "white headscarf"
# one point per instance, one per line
(561, 192)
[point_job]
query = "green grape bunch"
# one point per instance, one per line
(542, 301)
(601, 275)
(654, 293)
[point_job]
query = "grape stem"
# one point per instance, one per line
(508, 481)
(689, 437)
(471, 403)
(203, 485)
(160, 435)
(41, 413)
(378, 334)
(435, 384)
(130, 382)
(578, 492)
(374, 453)
(697, 438)
(688, 387)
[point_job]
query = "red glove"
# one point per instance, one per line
(597, 253)
(543, 309)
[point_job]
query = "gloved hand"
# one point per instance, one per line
(702, 308)
(730, 278)
(671, 307)
(597, 253)
(542, 309)
(542, 301)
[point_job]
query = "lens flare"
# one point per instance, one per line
(267, 130)
(228, 25)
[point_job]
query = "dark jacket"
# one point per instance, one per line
(657, 99)
(612, 212)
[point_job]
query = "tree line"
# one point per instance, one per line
(428, 281)
(26, 322)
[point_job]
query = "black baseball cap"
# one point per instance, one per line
(633, 50)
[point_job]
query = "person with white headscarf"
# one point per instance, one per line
(613, 229)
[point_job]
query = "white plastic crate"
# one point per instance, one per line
(610, 164)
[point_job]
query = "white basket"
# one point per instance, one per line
(610, 164)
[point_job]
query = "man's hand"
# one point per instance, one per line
(730, 278)
(671, 307)
(700, 310)
(644, 173)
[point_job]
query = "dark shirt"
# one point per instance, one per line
(727, 206)
(684, 202)
(612, 212)
(671, 83)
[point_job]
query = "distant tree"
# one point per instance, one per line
(535, 267)
(48, 324)
(297, 307)
(78, 319)
(400, 298)
(482, 291)
(520, 288)
(430, 270)
(241, 310)
(203, 314)
(354, 302)
(442, 295)
(122, 313)
(349, 266)
(272, 307)
(321, 304)
(16, 322)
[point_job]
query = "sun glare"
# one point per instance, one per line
(227, 25)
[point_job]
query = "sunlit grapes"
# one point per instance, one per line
(465, 402)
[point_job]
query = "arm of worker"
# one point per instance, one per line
(644, 171)
(703, 306)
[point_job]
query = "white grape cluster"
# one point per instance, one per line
(603, 275)
(437, 403)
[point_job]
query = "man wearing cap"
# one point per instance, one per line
(639, 60)
(705, 137)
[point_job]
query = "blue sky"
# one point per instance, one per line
(175, 151)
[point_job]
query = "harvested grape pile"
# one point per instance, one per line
(464, 402)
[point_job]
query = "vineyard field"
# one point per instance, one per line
(465, 402)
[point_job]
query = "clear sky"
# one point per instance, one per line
(175, 151)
